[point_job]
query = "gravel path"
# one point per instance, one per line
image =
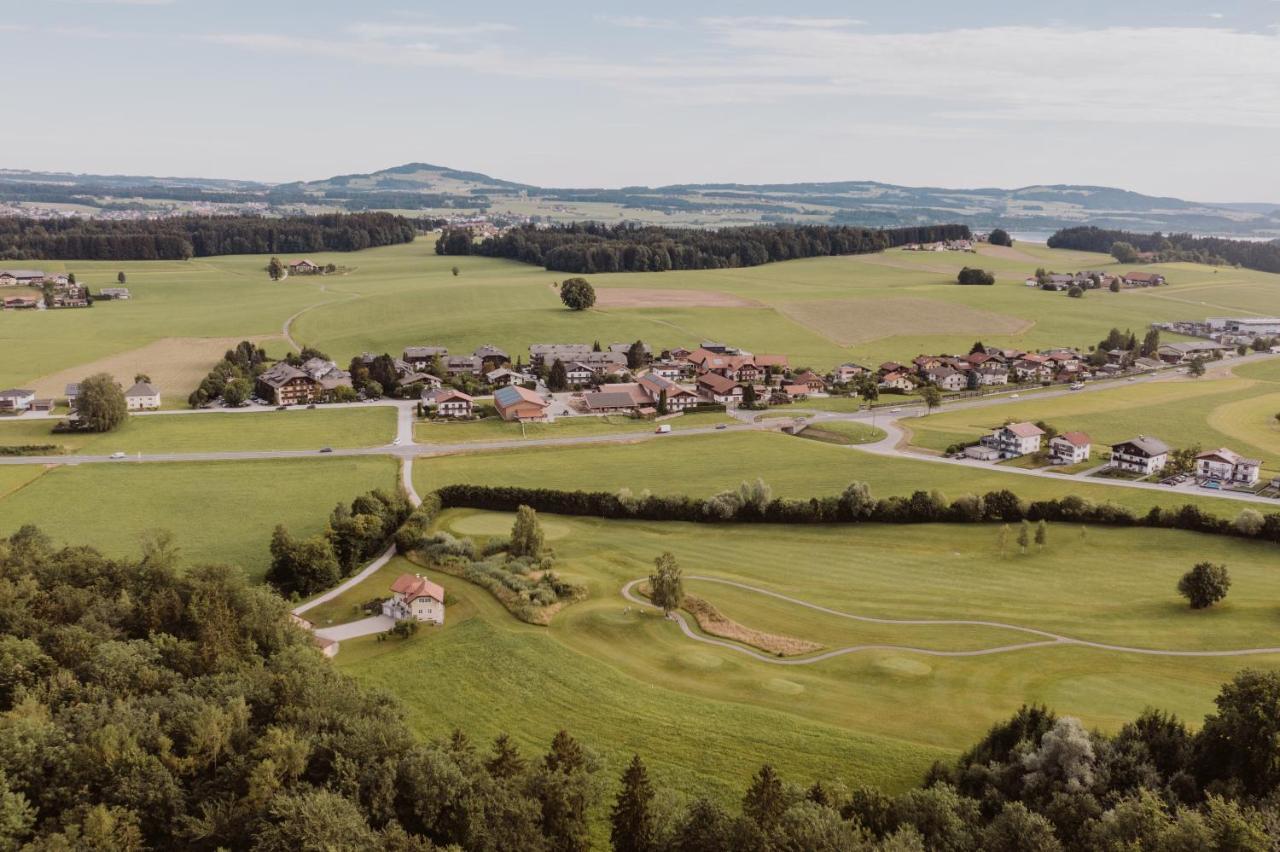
(1046, 638)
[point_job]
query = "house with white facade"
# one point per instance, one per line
(1223, 465)
(16, 399)
(1142, 455)
(1015, 439)
(143, 396)
(447, 402)
(415, 597)
(1070, 448)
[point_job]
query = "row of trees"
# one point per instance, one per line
(180, 238)
(753, 502)
(592, 247)
(352, 536)
(1127, 246)
(147, 707)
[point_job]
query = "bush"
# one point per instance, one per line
(975, 276)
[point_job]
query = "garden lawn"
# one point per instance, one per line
(295, 429)
(217, 511)
(843, 432)
(624, 680)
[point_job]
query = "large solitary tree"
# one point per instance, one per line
(526, 534)
(666, 587)
(577, 294)
(100, 405)
(1205, 585)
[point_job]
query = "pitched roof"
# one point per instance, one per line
(141, 389)
(1077, 439)
(610, 399)
(514, 395)
(1228, 456)
(411, 587)
(717, 383)
(440, 395)
(772, 361)
(281, 374)
(16, 393)
(1024, 429)
(1147, 446)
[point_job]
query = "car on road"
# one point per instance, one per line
(326, 449)
(894, 410)
(282, 408)
(722, 425)
(664, 429)
(1077, 386)
(395, 442)
(311, 406)
(1014, 396)
(117, 455)
(1133, 378)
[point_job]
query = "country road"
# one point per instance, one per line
(886, 418)
(1046, 639)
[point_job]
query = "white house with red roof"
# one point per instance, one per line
(1015, 439)
(447, 402)
(1070, 448)
(415, 597)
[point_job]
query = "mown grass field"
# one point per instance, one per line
(819, 311)
(296, 429)
(217, 511)
(496, 429)
(1237, 412)
(701, 465)
(626, 681)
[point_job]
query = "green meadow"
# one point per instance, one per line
(819, 311)
(217, 511)
(295, 429)
(496, 429)
(702, 465)
(624, 680)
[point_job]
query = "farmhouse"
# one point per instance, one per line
(304, 267)
(717, 388)
(545, 354)
(16, 399)
(21, 277)
(19, 303)
(1142, 279)
(1015, 439)
(1223, 465)
(678, 398)
(1070, 448)
(415, 597)
(463, 365)
(447, 402)
(812, 382)
(992, 374)
(895, 381)
(492, 356)
(946, 378)
(619, 399)
(142, 396)
(502, 377)
(422, 356)
(1181, 353)
(1140, 455)
(516, 403)
(284, 384)
(328, 374)
(117, 293)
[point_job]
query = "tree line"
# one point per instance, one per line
(592, 247)
(183, 237)
(144, 706)
(1169, 248)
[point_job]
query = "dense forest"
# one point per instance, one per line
(147, 707)
(1172, 248)
(180, 238)
(591, 247)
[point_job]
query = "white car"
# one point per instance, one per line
(395, 442)
(1013, 396)
(117, 456)
(894, 410)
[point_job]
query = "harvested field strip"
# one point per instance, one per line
(628, 297)
(848, 322)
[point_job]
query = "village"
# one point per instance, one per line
(56, 291)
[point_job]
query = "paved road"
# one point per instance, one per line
(1046, 639)
(353, 629)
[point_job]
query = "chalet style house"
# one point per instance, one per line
(304, 267)
(447, 402)
(413, 597)
(1142, 455)
(1223, 465)
(284, 384)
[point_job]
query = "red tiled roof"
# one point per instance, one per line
(411, 587)
(1077, 439)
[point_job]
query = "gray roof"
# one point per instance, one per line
(281, 374)
(609, 399)
(1145, 445)
(413, 353)
(72, 389)
(22, 273)
(141, 389)
(14, 393)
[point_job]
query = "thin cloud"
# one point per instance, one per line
(637, 22)
(786, 21)
(392, 31)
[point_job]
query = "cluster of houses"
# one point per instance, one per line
(141, 396)
(1229, 331)
(1093, 280)
(314, 381)
(944, 245)
(1143, 455)
(60, 291)
(984, 367)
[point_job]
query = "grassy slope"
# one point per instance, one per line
(297, 429)
(626, 681)
(705, 464)
(401, 295)
(217, 511)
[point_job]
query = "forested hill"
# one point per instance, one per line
(1175, 248)
(591, 248)
(183, 237)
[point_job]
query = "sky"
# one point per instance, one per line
(1174, 97)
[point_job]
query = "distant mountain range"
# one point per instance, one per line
(429, 190)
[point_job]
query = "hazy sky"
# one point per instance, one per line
(1175, 97)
